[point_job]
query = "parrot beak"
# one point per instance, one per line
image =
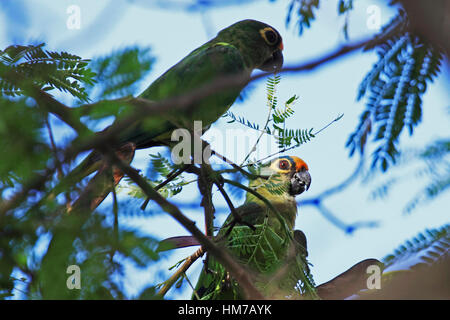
(300, 182)
(274, 63)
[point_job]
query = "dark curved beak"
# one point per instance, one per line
(274, 63)
(300, 182)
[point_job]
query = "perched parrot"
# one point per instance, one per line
(274, 253)
(236, 50)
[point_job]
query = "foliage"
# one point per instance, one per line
(48, 70)
(430, 164)
(426, 248)
(119, 73)
(15, 168)
(160, 169)
(30, 232)
(264, 244)
(305, 11)
(27, 269)
(276, 120)
(344, 8)
(394, 89)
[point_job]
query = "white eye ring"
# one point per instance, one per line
(269, 35)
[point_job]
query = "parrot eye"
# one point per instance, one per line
(269, 36)
(283, 165)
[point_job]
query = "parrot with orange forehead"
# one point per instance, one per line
(273, 253)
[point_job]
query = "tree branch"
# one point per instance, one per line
(238, 273)
(317, 202)
(180, 271)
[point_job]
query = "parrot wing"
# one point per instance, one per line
(201, 67)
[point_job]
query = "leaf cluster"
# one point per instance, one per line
(305, 11)
(264, 252)
(394, 89)
(119, 73)
(430, 165)
(278, 116)
(426, 248)
(29, 268)
(46, 69)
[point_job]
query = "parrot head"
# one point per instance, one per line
(260, 45)
(291, 169)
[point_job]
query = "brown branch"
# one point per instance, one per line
(237, 218)
(347, 283)
(101, 185)
(262, 198)
(58, 164)
(205, 184)
(54, 148)
(239, 274)
(177, 242)
(69, 227)
(36, 183)
(180, 271)
(235, 166)
(170, 177)
(431, 22)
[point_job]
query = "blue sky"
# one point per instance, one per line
(324, 93)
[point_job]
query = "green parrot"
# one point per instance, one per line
(273, 253)
(236, 50)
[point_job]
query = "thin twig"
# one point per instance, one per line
(180, 272)
(170, 177)
(297, 145)
(54, 148)
(236, 216)
(58, 163)
(234, 165)
(115, 211)
(239, 274)
(205, 186)
(270, 105)
(263, 199)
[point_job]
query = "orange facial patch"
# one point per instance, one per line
(299, 164)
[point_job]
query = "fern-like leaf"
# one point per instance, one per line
(305, 10)
(426, 248)
(48, 70)
(394, 89)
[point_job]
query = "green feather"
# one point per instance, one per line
(199, 68)
(236, 50)
(277, 264)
